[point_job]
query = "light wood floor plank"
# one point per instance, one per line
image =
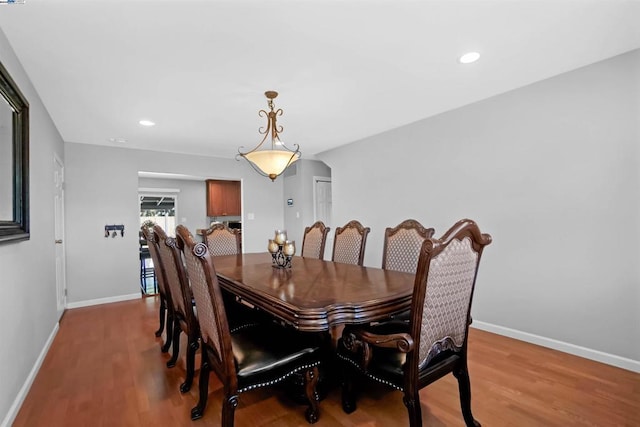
(105, 368)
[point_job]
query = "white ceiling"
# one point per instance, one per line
(345, 69)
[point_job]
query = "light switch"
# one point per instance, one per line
(251, 216)
(297, 214)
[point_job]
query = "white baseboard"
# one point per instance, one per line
(587, 353)
(107, 300)
(22, 394)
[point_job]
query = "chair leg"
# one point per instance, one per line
(312, 414)
(167, 343)
(348, 393)
(143, 285)
(464, 386)
(411, 400)
(191, 360)
(203, 387)
(163, 310)
(176, 343)
(228, 410)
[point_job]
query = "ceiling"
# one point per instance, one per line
(345, 69)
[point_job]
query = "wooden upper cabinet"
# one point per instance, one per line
(223, 198)
(231, 195)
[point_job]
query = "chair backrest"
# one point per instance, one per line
(349, 243)
(314, 240)
(443, 291)
(212, 318)
(175, 274)
(221, 240)
(152, 244)
(402, 244)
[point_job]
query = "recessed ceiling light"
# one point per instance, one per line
(469, 57)
(118, 140)
(147, 123)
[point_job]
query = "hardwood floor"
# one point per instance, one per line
(105, 368)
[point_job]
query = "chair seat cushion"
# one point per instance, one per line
(386, 364)
(272, 350)
(403, 316)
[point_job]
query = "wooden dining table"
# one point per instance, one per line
(315, 295)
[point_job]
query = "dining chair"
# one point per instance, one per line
(184, 319)
(252, 357)
(410, 356)
(166, 306)
(222, 240)
(349, 243)
(146, 271)
(314, 240)
(402, 243)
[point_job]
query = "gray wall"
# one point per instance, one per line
(551, 172)
(102, 188)
(191, 200)
(27, 269)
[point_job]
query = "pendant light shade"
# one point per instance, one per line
(270, 161)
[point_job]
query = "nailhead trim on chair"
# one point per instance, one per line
(390, 384)
(243, 326)
(277, 380)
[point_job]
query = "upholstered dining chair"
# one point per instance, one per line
(166, 306)
(410, 356)
(349, 243)
(314, 240)
(222, 240)
(184, 319)
(251, 357)
(402, 243)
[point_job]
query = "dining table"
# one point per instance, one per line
(314, 295)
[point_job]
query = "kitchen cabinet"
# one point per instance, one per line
(223, 198)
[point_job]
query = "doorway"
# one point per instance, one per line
(157, 209)
(322, 205)
(322, 199)
(58, 215)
